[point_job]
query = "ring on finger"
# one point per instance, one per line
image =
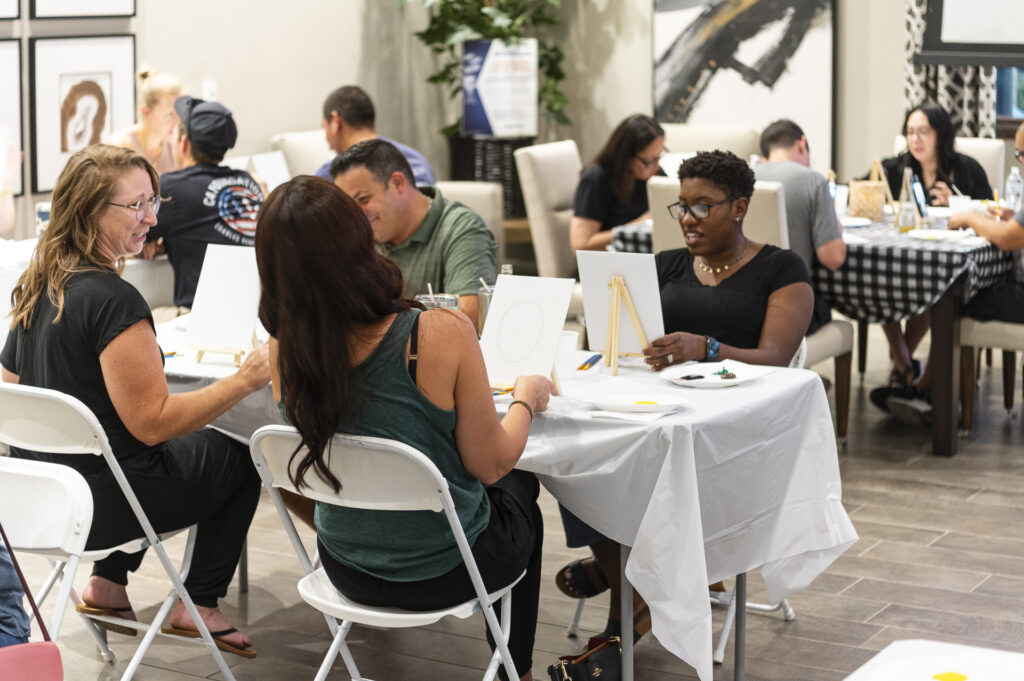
(668, 358)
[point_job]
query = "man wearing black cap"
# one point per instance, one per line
(204, 202)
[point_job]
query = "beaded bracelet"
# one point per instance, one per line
(528, 407)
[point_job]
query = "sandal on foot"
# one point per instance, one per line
(96, 611)
(247, 653)
(574, 580)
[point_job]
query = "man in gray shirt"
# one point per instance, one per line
(814, 232)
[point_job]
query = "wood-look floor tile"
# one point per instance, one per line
(976, 563)
(938, 622)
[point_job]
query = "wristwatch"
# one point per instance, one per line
(710, 349)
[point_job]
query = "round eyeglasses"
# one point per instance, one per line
(698, 210)
(141, 207)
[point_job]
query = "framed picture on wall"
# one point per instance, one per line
(10, 9)
(82, 90)
(10, 109)
(74, 9)
(717, 65)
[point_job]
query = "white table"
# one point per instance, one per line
(153, 278)
(739, 478)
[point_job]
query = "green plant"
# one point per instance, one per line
(453, 22)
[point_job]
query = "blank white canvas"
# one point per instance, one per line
(237, 162)
(224, 312)
(10, 104)
(272, 168)
(524, 325)
(641, 277)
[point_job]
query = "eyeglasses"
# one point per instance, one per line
(650, 164)
(919, 132)
(1019, 155)
(141, 207)
(699, 211)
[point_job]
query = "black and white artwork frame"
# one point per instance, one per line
(774, 59)
(11, 107)
(82, 90)
(76, 9)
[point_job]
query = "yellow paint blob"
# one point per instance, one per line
(950, 676)
(645, 402)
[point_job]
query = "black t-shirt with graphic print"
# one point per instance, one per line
(203, 204)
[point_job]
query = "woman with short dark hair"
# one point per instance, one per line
(349, 354)
(722, 297)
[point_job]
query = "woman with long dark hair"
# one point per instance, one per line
(931, 156)
(943, 171)
(348, 354)
(613, 187)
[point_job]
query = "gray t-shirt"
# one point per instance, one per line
(810, 217)
(810, 211)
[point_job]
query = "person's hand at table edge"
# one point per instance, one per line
(674, 348)
(255, 369)
(534, 390)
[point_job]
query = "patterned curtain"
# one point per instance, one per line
(968, 93)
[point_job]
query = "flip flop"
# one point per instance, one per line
(574, 579)
(93, 611)
(247, 653)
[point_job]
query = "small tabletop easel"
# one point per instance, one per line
(220, 349)
(619, 295)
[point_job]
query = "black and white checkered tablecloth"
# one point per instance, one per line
(893, 276)
(633, 238)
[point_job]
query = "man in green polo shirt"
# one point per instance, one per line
(431, 239)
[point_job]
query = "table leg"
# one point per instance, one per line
(862, 347)
(945, 371)
(741, 626)
(626, 615)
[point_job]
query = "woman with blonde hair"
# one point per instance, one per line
(79, 328)
(155, 134)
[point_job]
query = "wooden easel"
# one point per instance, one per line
(620, 294)
(237, 352)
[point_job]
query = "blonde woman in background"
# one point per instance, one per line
(154, 136)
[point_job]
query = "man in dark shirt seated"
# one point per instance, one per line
(204, 202)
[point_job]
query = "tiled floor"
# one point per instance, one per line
(941, 556)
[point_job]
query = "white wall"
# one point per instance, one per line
(274, 62)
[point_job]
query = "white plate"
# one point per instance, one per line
(850, 221)
(940, 234)
(639, 402)
(708, 376)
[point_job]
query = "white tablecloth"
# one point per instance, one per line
(153, 278)
(736, 479)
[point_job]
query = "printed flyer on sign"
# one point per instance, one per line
(499, 88)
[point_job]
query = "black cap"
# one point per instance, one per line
(209, 125)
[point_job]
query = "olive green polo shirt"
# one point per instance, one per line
(452, 250)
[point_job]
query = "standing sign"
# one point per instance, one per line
(499, 88)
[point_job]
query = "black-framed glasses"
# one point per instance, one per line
(1019, 155)
(698, 210)
(141, 207)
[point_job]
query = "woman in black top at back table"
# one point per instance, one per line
(723, 297)
(930, 155)
(613, 189)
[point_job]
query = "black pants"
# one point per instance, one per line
(510, 544)
(1002, 302)
(205, 479)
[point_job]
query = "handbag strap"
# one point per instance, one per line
(24, 585)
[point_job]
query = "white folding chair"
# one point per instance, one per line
(41, 420)
(384, 475)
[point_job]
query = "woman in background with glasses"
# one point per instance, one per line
(82, 330)
(722, 297)
(613, 188)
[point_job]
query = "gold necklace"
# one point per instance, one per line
(712, 269)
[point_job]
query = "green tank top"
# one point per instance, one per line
(403, 546)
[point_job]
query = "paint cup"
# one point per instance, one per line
(483, 304)
(565, 354)
(960, 204)
(444, 300)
